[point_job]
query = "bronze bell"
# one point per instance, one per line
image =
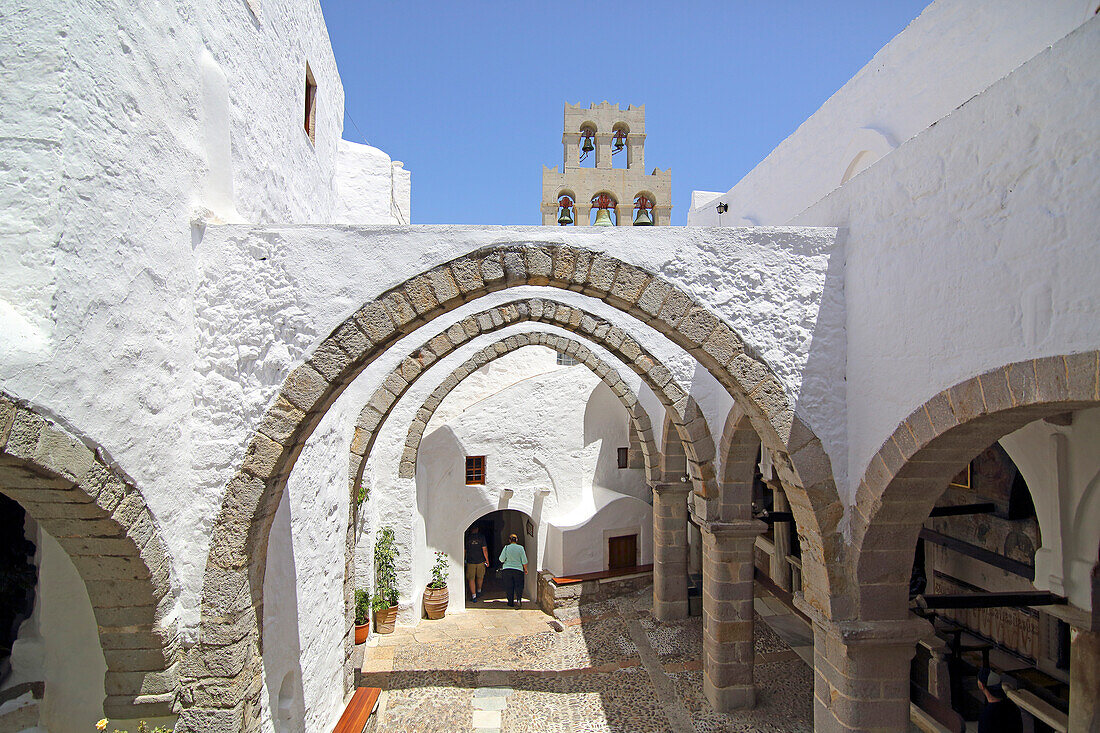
(565, 218)
(643, 219)
(603, 219)
(588, 146)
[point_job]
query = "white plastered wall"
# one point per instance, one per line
(546, 439)
(973, 245)
(954, 50)
(370, 188)
(59, 643)
(1061, 464)
(546, 467)
(125, 121)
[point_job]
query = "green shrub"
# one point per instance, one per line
(362, 607)
(385, 570)
(439, 572)
(143, 727)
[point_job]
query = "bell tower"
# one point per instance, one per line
(603, 180)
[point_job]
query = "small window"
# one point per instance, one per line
(311, 105)
(475, 470)
(566, 360)
(624, 457)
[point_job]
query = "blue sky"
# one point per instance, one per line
(470, 95)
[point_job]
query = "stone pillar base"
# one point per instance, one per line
(861, 672)
(670, 551)
(670, 610)
(726, 699)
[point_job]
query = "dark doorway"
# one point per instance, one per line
(495, 528)
(622, 552)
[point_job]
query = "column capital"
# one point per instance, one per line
(856, 632)
(730, 529)
(666, 488)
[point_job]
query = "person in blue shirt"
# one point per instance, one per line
(514, 565)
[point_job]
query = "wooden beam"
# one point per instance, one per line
(773, 517)
(979, 553)
(986, 507)
(1013, 599)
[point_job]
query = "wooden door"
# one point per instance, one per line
(622, 552)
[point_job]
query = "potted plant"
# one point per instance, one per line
(436, 596)
(385, 582)
(362, 620)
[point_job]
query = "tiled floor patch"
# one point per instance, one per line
(476, 672)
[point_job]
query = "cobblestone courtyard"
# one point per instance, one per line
(611, 668)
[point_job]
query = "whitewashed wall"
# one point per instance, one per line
(126, 120)
(1061, 465)
(370, 188)
(952, 51)
(59, 643)
(974, 244)
(543, 442)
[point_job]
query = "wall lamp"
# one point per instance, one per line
(722, 207)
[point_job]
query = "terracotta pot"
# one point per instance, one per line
(435, 602)
(384, 620)
(361, 632)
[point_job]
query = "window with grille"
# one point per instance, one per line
(475, 470)
(566, 360)
(624, 457)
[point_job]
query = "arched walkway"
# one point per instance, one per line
(101, 521)
(638, 416)
(232, 604)
(398, 381)
(896, 495)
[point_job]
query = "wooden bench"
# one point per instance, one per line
(358, 711)
(603, 574)
(1039, 709)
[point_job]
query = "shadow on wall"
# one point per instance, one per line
(607, 421)
(282, 654)
(824, 375)
(447, 513)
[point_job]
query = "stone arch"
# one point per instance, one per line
(638, 416)
(227, 672)
(738, 450)
(101, 520)
(935, 442)
(540, 310)
(673, 454)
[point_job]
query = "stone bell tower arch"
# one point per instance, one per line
(589, 179)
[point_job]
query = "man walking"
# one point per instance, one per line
(477, 559)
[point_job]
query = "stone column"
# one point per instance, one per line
(1084, 680)
(861, 672)
(571, 150)
(780, 568)
(603, 150)
(550, 215)
(582, 214)
(670, 551)
(727, 613)
(625, 213)
(635, 152)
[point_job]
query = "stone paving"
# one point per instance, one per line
(612, 668)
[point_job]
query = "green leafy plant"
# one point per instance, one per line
(439, 572)
(143, 727)
(362, 607)
(385, 570)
